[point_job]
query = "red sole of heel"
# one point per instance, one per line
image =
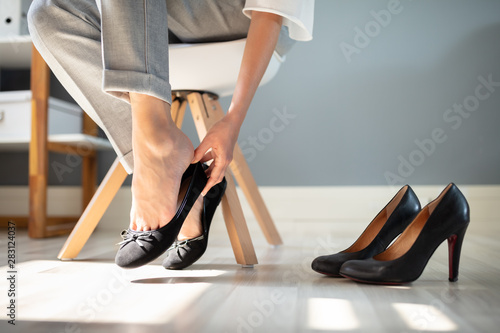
(452, 240)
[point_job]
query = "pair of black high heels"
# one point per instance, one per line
(371, 260)
(141, 247)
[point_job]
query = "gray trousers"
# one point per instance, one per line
(100, 50)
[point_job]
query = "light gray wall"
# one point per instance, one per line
(355, 121)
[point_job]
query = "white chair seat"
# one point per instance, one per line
(211, 67)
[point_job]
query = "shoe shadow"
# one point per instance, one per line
(184, 279)
(232, 274)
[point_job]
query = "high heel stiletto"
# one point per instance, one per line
(388, 224)
(446, 217)
(141, 247)
(186, 252)
(454, 249)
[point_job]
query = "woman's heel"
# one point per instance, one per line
(454, 248)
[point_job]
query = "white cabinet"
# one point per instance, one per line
(13, 21)
(15, 116)
(64, 123)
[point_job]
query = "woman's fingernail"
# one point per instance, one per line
(203, 194)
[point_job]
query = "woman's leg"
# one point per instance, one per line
(135, 53)
(129, 39)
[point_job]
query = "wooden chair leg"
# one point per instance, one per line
(244, 177)
(38, 155)
(178, 109)
(89, 177)
(241, 241)
(94, 211)
(89, 164)
(236, 226)
(247, 183)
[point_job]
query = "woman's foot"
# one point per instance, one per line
(162, 152)
(192, 227)
(141, 247)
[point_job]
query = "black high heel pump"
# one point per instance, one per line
(446, 217)
(388, 224)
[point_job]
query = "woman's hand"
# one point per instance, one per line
(218, 145)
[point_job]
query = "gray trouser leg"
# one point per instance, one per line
(135, 48)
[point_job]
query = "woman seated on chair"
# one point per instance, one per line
(112, 57)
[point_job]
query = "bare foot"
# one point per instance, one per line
(162, 153)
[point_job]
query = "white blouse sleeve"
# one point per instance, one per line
(298, 15)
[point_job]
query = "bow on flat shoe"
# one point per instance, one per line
(136, 236)
(184, 243)
(141, 247)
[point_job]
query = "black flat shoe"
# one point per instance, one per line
(388, 224)
(186, 252)
(446, 217)
(141, 247)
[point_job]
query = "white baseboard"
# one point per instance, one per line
(296, 203)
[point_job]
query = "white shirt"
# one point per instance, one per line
(298, 15)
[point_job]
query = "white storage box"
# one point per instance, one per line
(13, 21)
(15, 116)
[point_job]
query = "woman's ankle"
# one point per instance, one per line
(149, 111)
(152, 121)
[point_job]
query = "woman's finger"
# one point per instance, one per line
(208, 172)
(207, 157)
(200, 151)
(216, 176)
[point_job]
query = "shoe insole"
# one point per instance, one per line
(377, 224)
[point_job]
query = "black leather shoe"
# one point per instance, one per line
(186, 252)
(141, 247)
(388, 224)
(446, 217)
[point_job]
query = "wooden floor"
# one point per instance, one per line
(281, 294)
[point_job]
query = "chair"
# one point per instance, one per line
(199, 74)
